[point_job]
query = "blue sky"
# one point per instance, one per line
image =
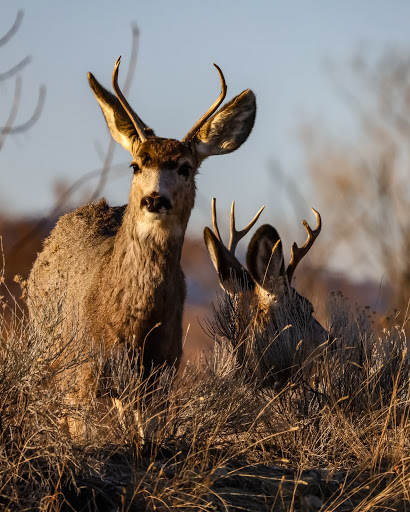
(276, 48)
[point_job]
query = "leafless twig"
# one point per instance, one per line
(13, 112)
(16, 25)
(8, 128)
(32, 120)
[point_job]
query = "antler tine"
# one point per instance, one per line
(190, 135)
(236, 236)
(214, 220)
(297, 253)
(136, 121)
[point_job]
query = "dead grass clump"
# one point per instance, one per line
(35, 455)
(327, 431)
(273, 354)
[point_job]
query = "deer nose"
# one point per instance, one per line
(154, 203)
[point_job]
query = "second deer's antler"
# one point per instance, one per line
(235, 236)
(297, 253)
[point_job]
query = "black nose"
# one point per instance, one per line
(154, 203)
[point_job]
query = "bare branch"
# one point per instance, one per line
(13, 112)
(33, 119)
(15, 69)
(16, 25)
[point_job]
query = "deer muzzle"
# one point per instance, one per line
(154, 203)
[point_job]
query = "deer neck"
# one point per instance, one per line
(144, 289)
(142, 246)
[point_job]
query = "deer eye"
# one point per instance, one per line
(136, 168)
(185, 169)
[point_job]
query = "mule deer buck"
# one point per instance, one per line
(266, 310)
(119, 267)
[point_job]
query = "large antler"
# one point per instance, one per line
(297, 253)
(235, 236)
(136, 121)
(190, 135)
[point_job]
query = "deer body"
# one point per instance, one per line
(119, 267)
(119, 282)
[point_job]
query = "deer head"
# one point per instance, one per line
(265, 276)
(163, 189)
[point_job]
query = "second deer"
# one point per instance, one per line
(266, 307)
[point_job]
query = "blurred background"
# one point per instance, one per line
(332, 81)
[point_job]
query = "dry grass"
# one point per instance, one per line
(328, 431)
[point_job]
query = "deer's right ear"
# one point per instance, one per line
(226, 130)
(264, 258)
(228, 267)
(118, 121)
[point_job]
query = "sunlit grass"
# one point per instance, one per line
(333, 432)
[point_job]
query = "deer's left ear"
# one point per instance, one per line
(226, 130)
(230, 271)
(118, 121)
